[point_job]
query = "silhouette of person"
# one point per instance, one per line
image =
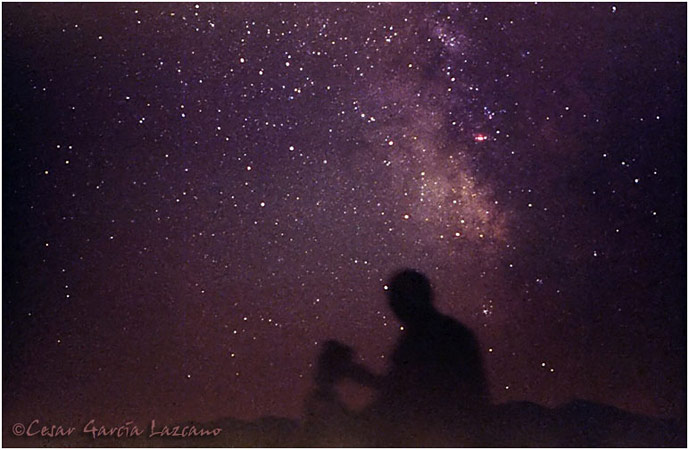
(437, 361)
(436, 381)
(435, 386)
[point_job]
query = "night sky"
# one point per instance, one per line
(197, 196)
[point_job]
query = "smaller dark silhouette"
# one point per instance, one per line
(328, 421)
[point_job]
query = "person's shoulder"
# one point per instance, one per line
(455, 328)
(448, 321)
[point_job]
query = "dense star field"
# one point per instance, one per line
(196, 196)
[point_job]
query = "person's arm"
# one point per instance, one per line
(365, 377)
(335, 362)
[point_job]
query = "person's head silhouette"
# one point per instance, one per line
(410, 297)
